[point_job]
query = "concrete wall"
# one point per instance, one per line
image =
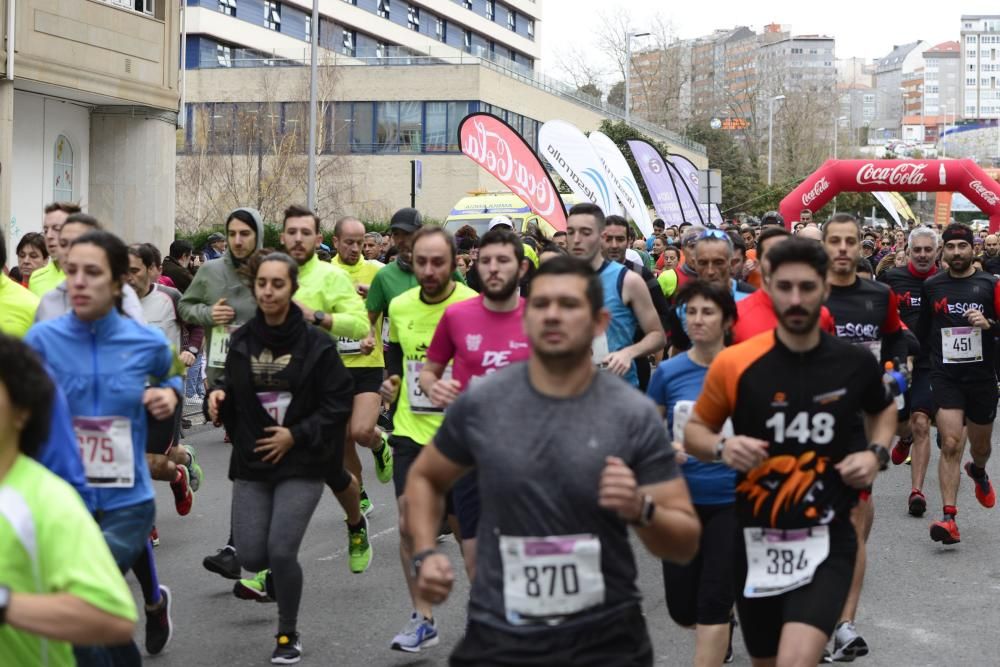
(132, 174)
(38, 121)
(94, 48)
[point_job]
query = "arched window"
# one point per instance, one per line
(62, 170)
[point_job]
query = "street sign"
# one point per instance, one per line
(710, 186)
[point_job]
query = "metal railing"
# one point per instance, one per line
(393, 57)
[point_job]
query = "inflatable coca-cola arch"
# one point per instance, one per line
(836, 176)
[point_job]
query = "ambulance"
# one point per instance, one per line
(478, 208)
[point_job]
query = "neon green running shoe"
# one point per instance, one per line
(383, 460)
(197, 475)
(254, 589)
(367, 506)
(359, 548)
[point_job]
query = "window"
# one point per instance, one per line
(410, 127)
(144, 6)
(971, 53)
(468, 41)
(491, 9)
(440, 29)
(272, 15)
(413, 17)
(531, 28)
(383, 8)
(387, 127)
(228, 7)
(362, 127)
(970, 82)
(467, 4)
(436, 128)
(511, 19)
(308, 27)
(62, 170)
(348, 47)
(224, 55)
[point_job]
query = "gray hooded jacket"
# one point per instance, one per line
(216, 280)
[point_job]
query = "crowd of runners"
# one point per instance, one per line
(727, 395)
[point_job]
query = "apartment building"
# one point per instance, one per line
(980, 57)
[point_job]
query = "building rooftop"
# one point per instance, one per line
(896, 57)
(944, 48)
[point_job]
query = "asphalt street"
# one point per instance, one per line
(924, 604)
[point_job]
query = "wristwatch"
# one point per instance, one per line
(882, 454)
(4, 603)
(647, 512)
(719, 448)
(418, 560)
(318, 318)
(193, 350)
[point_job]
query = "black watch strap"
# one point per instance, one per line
(418, 560)
(4, 603)
(882, 454)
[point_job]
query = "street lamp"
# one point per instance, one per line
(313, 65)
(836, 131)
(770, 132)
(628, 71)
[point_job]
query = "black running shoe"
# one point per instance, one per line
(288, 650)
(159, 627)
(223, 563)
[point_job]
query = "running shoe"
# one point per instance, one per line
(256, 589)
(945, 531)
(367, 506)
(901, 450)
(847, 643)
(419, 633)
(159, 627)
(985, 494)
(288, 650)
(154, 537)
(383, 460)
(359, 548)
(197, 474)
(223, 563)
(182, 491)
(917, 503)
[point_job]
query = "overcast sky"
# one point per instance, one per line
(866, 28)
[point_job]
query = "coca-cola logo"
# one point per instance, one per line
(906, 173)
(988, 195)
(818, 188)
(517, 168)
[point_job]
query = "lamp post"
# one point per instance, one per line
(313, 63)
(836, 131)
(770, 133)
(628, 72)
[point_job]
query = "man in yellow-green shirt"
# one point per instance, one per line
(51, 275)
(363, 358)
(328, 300)
(413, 317)
(17, 305)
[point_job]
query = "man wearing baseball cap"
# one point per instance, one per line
(215, 246)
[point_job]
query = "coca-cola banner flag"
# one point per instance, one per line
(571, 155)
(659, 182)
(836, 176)
(501, 151)
(688, 188)
(620, 174)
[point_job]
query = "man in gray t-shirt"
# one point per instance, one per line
(566, 458)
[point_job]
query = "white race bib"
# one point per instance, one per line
(599, 350)
(276, 404)
(546, 579)
(682, 414)
(779, 561)
(962, 345)
(346, 346)
(419, 401)
(218, 348)
(106, 450)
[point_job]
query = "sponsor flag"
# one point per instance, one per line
(688, 188)
(885, 198)
(620, 174)
(659, 181)
(942, 208)
(499, 149)
(566, 148)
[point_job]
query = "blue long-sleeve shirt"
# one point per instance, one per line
(60, 453)
(104, 367)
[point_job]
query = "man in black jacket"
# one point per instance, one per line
(175, 264)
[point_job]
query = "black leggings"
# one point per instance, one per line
(702, 592)
(269, 522)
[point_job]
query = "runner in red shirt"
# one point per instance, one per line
(481, 335)
(756, 312)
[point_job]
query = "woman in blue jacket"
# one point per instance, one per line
(112, 369)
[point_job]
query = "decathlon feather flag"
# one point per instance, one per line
(574, 159)
(618, 172)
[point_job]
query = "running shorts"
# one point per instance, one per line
(978, 400)
(701, 592)
(366, 380)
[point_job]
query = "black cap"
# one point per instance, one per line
(406, 220)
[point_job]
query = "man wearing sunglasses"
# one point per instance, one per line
(713, 258)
